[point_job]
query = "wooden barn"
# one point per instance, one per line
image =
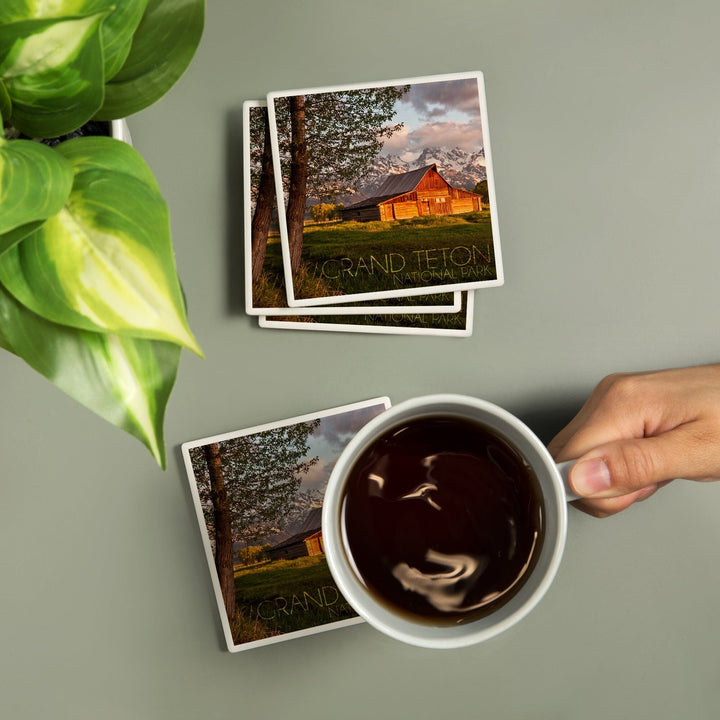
(418, 192)
(299, 545)
(314, 544)
(306, 542)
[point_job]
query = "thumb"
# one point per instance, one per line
(625, 466)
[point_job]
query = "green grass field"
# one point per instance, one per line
(347, 258)
(285, 595)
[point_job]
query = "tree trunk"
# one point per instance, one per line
(223, 528)
(263, 208)
(298, 180)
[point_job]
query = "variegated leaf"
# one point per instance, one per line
(105, 262)
(35, 182)
(53, 72)
(125, 380)
(163, 46)
(117, 30)
(14, 236)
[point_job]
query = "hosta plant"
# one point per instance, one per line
(89, 293)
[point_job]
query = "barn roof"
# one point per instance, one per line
(295, 539)
(402, 183)
(369, 202)
(311, 525)
(394, 185)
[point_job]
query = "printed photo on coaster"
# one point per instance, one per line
(404, 170)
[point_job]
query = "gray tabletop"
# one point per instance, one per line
(604, 128)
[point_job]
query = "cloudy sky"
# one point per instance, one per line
(329, 439)
(437, 114)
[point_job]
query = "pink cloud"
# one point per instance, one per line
(467, 136)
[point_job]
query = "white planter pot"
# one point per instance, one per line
(120, 131)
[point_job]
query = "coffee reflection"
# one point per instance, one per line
(442, 519)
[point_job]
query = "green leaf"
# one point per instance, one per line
(12, 238)
(35, 182)
(105, 261)
(5, 104)
(163, 46)
(4, 342)
(125, 380)
(117, 30)
(53, 73)
(91, 152)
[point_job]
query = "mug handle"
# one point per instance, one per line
(564, 470)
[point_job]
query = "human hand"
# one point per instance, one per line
(639, 431)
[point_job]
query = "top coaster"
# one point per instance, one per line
(405, 168)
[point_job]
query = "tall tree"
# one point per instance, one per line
(297, 194)
(222, 524)
(248, 486)
(263, 190)
(267, 470)
(327, 144)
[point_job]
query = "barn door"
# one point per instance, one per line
(440, 206)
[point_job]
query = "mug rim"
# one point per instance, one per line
(382, 617)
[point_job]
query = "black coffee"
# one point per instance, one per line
(443, 520)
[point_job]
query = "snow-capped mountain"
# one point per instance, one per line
(459, 167)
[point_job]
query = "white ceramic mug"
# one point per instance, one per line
(555, 490)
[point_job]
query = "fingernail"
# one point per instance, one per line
(590, 477)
